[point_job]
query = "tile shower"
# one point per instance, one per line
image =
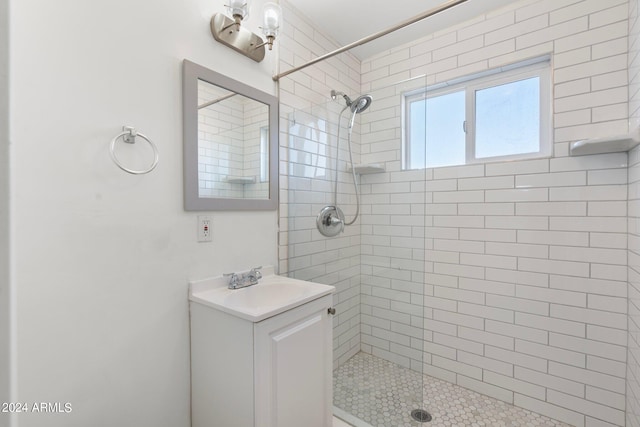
(509, 279)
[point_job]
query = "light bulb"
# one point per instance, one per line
(239, 8)
(272, 17)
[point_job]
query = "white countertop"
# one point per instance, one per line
(272, 295)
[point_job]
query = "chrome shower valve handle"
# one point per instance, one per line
(330, 221)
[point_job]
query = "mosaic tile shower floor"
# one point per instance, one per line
(383, 394)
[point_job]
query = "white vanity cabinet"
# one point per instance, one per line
(272, 373)
(293, 363)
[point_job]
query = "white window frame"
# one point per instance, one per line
(537, 67)
(264, 154)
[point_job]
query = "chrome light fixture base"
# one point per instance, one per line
(226, 31)
(330, 221)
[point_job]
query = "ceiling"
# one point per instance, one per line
(349, 20)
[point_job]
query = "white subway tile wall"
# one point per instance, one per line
(308, 135)
(515, 310)
(525, 272)
(506, 278)
(633, 320)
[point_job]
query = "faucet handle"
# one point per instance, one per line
(233, 278)
(255, 272)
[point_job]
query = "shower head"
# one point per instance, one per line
(358, 105)
(361, 103)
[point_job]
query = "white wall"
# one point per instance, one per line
(4, 208)
(102, 258)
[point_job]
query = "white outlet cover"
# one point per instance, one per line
(204, 229)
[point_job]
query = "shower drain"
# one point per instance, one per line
(421, 415)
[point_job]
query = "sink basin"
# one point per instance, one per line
(272, 295)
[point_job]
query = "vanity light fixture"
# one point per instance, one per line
(272, 21)
(228, 30)
(239, 10)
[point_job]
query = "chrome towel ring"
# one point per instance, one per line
(129, 135)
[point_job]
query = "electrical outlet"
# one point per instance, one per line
(204, 229)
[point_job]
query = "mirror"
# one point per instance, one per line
(230, 143)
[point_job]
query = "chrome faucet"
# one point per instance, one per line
(242, 280)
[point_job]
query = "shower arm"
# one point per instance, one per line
(413, 20)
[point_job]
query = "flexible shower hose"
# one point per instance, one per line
(353, 170)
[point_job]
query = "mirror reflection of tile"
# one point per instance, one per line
(233, 141)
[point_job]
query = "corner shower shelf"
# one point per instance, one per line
(614, 144)
(368, 168)
(241, 179)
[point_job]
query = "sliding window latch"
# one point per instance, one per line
(464, 126)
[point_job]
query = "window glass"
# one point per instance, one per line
(436, 131)
(264, 154)
(504, 114)
(445, 139)
(508, 119)
(416, 135)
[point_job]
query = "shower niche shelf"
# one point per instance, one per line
(613, 144)
(241, 179)
(370, 168)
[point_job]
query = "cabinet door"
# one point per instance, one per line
(293, 360)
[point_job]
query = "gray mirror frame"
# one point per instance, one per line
(191, 73)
